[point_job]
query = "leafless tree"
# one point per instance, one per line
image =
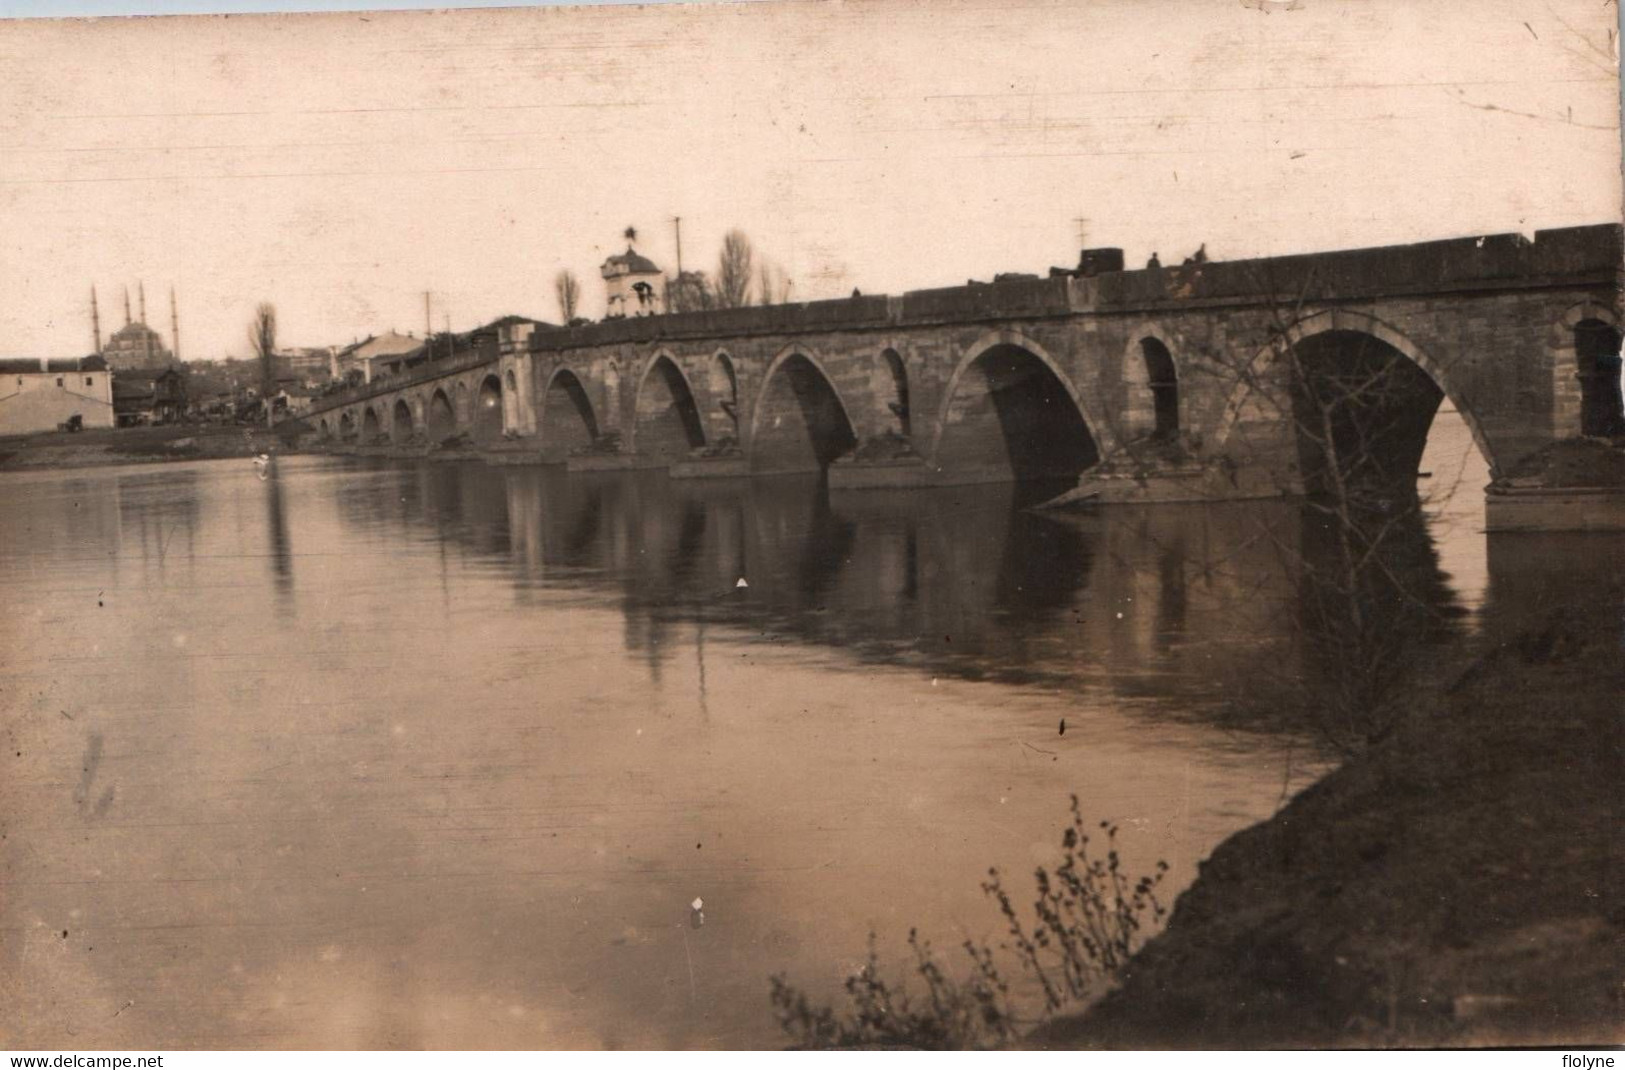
(262, 339)
(1369, 610)
(568, 291)
(734, 270)
(1363, 598)
(772, 283)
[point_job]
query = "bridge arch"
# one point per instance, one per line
(401, 422)
(461, 405)
(347, 430)
(568, 422)
(325, 429)
(723, 380)
(1010, 413)
(486, 419)
(1588, 349)
(799, 422)
(889, 381)
(612, 395)
(441, 419)
(1346, 321)
(372, 429)
(665, 418)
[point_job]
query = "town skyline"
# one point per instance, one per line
(884, 146)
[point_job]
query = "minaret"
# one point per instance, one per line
(174, 326)
(95, 321)
(141, 288)
(126, 306)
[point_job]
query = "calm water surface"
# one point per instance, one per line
(376, 755)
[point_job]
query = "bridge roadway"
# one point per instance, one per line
(1171, 383)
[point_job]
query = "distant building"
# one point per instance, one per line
(376, 355)
(37, 395)
(307, 364)
(633, 285)
(295, 395)
(136, 346)
(157, 399)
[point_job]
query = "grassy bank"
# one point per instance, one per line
(136, 445)
(1458, 884)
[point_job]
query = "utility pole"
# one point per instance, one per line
(1082, 223)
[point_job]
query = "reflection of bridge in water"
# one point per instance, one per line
(1208, 603)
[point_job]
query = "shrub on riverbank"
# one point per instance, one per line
(1088, 918)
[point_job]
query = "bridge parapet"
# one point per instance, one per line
(427, 372)
(1491, 262)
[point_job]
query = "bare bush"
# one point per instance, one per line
(1088, 919)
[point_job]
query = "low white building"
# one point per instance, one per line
(38, 395)
(378, 355)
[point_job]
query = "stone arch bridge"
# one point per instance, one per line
(1173, 383)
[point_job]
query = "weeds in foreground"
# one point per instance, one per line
(1088, 919)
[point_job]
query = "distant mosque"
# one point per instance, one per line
(135, 346)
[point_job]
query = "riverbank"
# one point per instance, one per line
(1458, 884)
(1573, 485)
(137, 445)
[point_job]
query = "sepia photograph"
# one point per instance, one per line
(812, 524)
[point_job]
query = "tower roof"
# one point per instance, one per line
(630, 262)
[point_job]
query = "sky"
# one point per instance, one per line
(340, 165)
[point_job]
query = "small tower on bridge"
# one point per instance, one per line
(631, 282)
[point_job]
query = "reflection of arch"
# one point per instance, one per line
(1008, 392)
(346, 428)
(487, 416)
(1345, 320)
(1162, 378)
(891, 390)
(371, 426)
(442, 420)
(568, 421)
(724, 384)
(401, 428)
(665, 418)
(799, 422)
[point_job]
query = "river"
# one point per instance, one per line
(385, 754)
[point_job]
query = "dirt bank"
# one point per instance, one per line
(1460, 884)
(1574, 462)
(138, 445)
